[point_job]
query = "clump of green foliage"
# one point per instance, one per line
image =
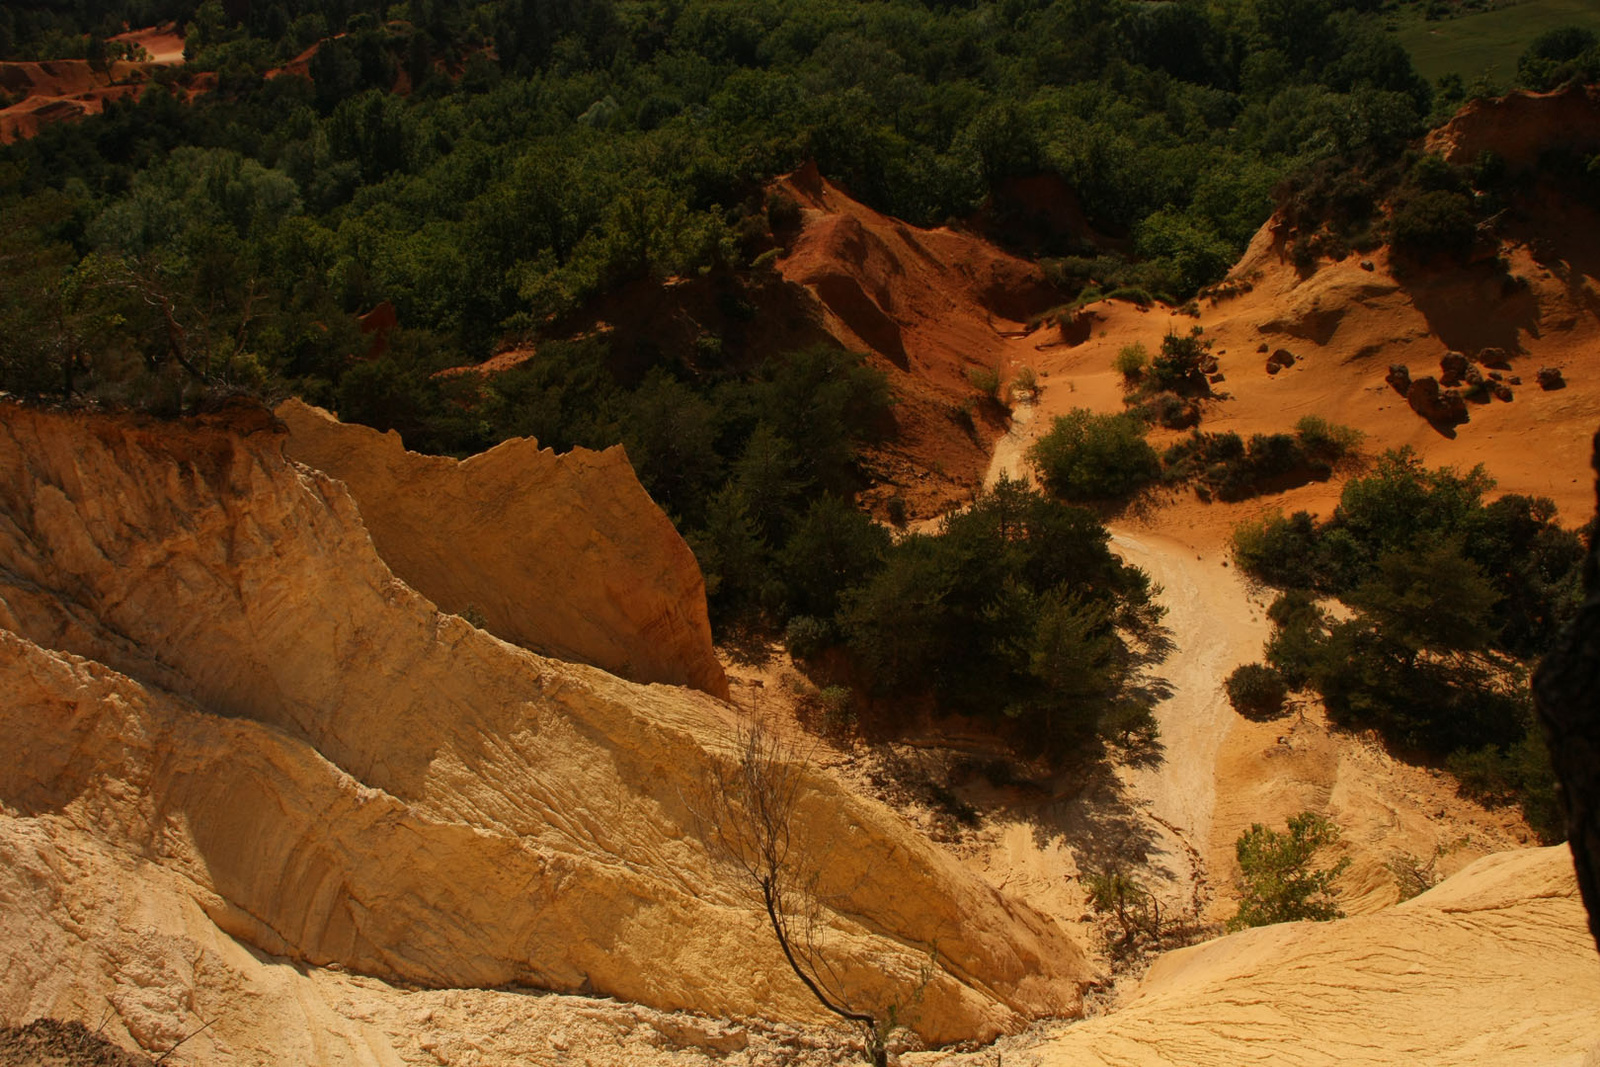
(1256, 691)
(1088, 457)
(1167, 389)
(1277, 880)
(986, 380)
(1233, 469)
(1560, 55)
(1131, 362)
(1016, 609)
(1449, 596)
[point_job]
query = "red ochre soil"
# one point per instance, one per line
(64, 90)
(930, 306)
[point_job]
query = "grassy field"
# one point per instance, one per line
(1487, 42)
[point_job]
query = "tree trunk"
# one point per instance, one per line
(1566, 693)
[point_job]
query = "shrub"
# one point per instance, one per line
(1518, 773)
(1256, 691)
(838, 710)
(1024, 381)
(1279, 550)
(1558, 55)
(1173, 411)
(985, 380)
(1326, 440)
(1276, 883)
(1181, 366)
(1085, 456)
(783, 212)
(1433, 223)
(806, 635)
(1131, 362)
(895, 508)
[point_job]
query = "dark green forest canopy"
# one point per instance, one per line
(548, 150)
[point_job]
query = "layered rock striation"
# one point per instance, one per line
(563, 554)
(222, 698)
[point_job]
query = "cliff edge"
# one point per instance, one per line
(566, 555)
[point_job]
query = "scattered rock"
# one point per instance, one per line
(691, 1032)
(1515, 379)
(1496, 376)
(1367, 264)
(1279, 359)
(1444, 407)
(1273, 368)
(1473, 376)
(1494, 357)
(1399, 377)
(1218, 377)
(1262, 347)
(1453, 367)
(1500, 390)
(1550, 378)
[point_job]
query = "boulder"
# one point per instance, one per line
(1443, 407)
(1494, 357)
(1453, 368)
(1399, 378)
(1550, 378)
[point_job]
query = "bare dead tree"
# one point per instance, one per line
(748, 814)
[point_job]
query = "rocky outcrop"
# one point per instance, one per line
(212, 677)
(1444, 407)
(1520, 126)
(566, 555)
(1399, 378)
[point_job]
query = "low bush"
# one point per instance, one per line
(1131, 362)
(985, 380)
(1256, 691)
(1085, 456)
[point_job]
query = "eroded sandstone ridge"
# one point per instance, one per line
(1490, 966)
(566, 555)
(224, 712)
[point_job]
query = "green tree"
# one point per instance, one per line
(1085, 456)
(1277, 882)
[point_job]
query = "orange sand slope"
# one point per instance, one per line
(1347, 321)
(67, 89)
(931, 305)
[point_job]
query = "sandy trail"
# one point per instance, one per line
(1216, 623)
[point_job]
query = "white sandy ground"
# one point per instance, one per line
(1216, 622)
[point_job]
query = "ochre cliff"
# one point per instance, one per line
(566, 555)
(221, 695)
(1520, 127)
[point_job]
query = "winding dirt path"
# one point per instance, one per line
(1216, 623)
